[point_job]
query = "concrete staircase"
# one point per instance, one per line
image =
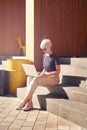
(69, 98)
(70, 110)
(75, 107)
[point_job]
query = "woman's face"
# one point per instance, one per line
(46, 50)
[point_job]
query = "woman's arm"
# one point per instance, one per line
(52, 73)
(41, 73)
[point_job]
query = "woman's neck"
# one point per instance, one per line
(49, 53)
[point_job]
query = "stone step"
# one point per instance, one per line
(69, 92)
(71, 70)
(80, 62)
(41, 92)
(72, 75)
(21, 92)
(83, 84)
(71, 110)
(76, 94)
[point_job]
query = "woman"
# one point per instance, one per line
(48, 77)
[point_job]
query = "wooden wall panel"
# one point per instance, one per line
(12, 24)
(65, 23)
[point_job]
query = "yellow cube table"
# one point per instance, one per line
(17, 76)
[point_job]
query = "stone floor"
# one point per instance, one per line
(11, 119)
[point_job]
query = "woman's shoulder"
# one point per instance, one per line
(54, 55)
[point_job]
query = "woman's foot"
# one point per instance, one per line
(28, 107)
(20, 106)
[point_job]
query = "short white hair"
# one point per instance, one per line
(45, 43)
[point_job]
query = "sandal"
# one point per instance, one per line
(28, 107)
(20, 107)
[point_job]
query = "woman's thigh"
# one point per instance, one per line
(47, 81)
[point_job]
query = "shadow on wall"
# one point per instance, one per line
(0, 60)
(65, 60)
(72, 80)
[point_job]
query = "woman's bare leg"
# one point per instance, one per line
(33, 85)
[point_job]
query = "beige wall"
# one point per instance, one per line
(30, 29)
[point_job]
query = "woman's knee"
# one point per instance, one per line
(29, 79)
(35, 80)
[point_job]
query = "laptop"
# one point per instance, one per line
(30, 69)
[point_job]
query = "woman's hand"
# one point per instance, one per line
(45, 74)
(41, 74)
